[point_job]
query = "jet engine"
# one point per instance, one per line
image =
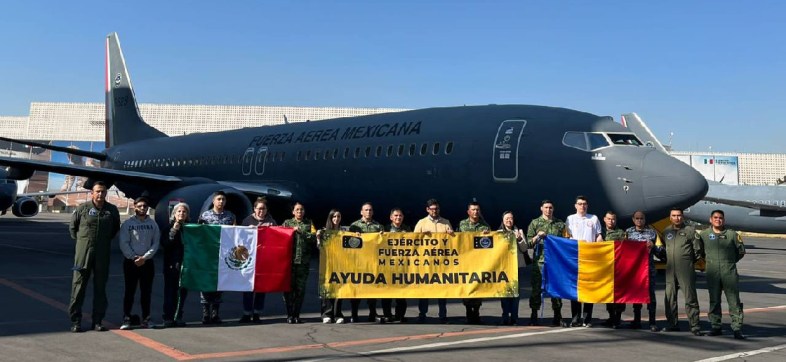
(13, 173)
(25, 207)
(200, 198)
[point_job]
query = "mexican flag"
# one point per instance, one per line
(236, 258)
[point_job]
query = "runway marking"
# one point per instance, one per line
(474, 340)
(743, 354)
(179, 355)
(359, 342)
(159, 347)
(34, 249)
(35, 295)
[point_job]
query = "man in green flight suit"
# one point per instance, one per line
(93, 225)
(545, 224)
(723, 249)
(473, 223)
(683, 249)
(612, 233)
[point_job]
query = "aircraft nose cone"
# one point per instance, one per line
(667, 182)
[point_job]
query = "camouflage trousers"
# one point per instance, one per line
(294, 298)
(536, 298)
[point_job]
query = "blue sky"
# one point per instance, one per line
(712, 72)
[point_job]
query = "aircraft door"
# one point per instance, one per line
(259, 165)
(248, 160)
(505, 159)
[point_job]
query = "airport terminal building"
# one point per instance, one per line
(82, 125)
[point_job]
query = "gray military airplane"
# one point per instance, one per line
(760, 209)
(503, 156)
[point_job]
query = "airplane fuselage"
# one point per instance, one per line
(505, 157)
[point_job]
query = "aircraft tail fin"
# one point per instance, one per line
(636, 125)
(124, 123)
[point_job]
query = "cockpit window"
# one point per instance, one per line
(628, 139)
(575, 140)
(596, 140)
(587, 141)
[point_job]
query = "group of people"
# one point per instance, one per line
(95, 223)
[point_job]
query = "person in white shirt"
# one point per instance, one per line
(583, 227)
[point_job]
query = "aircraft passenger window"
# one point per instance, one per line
(357, 152)
(390, 151)
(575, 140)
(368, 151)
(335, 153)
(423, 149)
(316, 155)
(628, 139)
(297, 156)
(435, 151)
(412, 149)
(400, 150)
(596, 140)
(325, 155)
(379, 152)
(346, 153)
(449, 148)
(308, 155)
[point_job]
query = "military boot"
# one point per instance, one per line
(533, 318)
(214, 318)
(636, 324)
(205, 313)
(557, 320)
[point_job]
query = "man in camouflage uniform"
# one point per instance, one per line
(723, 248)
(473, 223)
(545, 224)
(642, 232)
(611, 233)
(397, 225)
(305, 240)
(366, 224)
(93, 225)
(683, 248)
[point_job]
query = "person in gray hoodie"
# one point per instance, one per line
(139, 239)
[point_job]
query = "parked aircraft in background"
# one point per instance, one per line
(22, 204)
(503, 156)
(760, 209)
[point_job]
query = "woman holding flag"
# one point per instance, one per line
(172, 241)
(510, 306)
(254, 303)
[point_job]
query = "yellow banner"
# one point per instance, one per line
(416, 265)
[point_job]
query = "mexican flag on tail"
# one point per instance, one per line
(236, 258)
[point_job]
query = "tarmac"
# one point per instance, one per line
(36, 256)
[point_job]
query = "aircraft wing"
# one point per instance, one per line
(748, 204)
(97, 155)
(96, 173)
(259, 189)
(52, 193)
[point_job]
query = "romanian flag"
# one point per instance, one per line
(236, 258)
(604, 272)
